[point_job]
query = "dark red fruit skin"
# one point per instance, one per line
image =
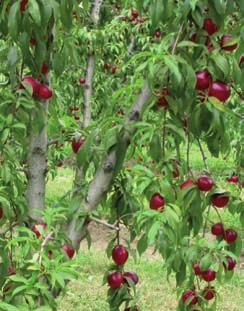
(120, 255)
(134, 14)
(22, 5)
(44, 92)
(219, 200)
(209, 26)
(220, 90)
(209, 293)
(196, 268)
(187, 295)
(223, 40)
(217, 229)
(106, 66)
(33, 41)
(60, 163)
(157, 33)
(162, 102)
(76, 144)
(34, 228)
(231, 263)
(132, 276)
(157, 201)
(230, 235)
(203, 79)
(234, 179)
(187, 183)
(68, 249)
(82, 80)
(77, 118)
(44, 69)
(115, 279)
(209, 275)
(205, 183)
(176, 173)
(1, 212)
(193, 37)
(241, 59)
(114, 69)
(33, 82)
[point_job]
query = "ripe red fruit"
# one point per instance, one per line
(44, 92)
(132, 276)
(162, 102)
(234, 179)
(224, 43)
(219, 200)
(1, 212)
(77, 118)
(22, 5)
(114, 69)
(157, 33)
(120, 255)
(209, 26)
(134, 14)
(230, 235)
(241, 59)
(76, 144)
(68, 249)
(209, 293)
(106, 66)
(176, 173)
(203, 79)
(157, 202)
(115, 279)
(219, 90)
(193, 37)
(217, 229)
(33, 41)
(82, 80)
(33, 82)
(205, 183)
(44, 69)
(35, 228)
(189, 295)
(187, 183)
(196, 268)
(231, 263)
(209, 275)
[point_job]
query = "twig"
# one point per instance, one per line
(220, 218)
(164, 130)
(44, 243)
(188, 154)
(104, 223)
(204, 158)
(205, 225)
(177, 39)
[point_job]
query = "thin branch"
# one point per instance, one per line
(206, 221)
(48, 237)
(188, 154)
(104, 223)
(164, 130)
(177, 39)
(204, 158)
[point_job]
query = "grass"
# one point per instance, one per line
(87, 292)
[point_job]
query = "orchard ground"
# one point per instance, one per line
(88, 292)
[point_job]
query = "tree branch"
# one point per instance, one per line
(204, 158)
(104, 174)
(102, 222)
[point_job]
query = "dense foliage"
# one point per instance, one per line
(120, 91)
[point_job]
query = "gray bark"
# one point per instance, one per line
(37, 168)
(101, 182)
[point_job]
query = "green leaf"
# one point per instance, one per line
(34, 10)
(13, 20)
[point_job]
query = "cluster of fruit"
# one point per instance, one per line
(117, 278)
(39, 90)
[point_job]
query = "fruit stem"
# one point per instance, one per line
(218, 214)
